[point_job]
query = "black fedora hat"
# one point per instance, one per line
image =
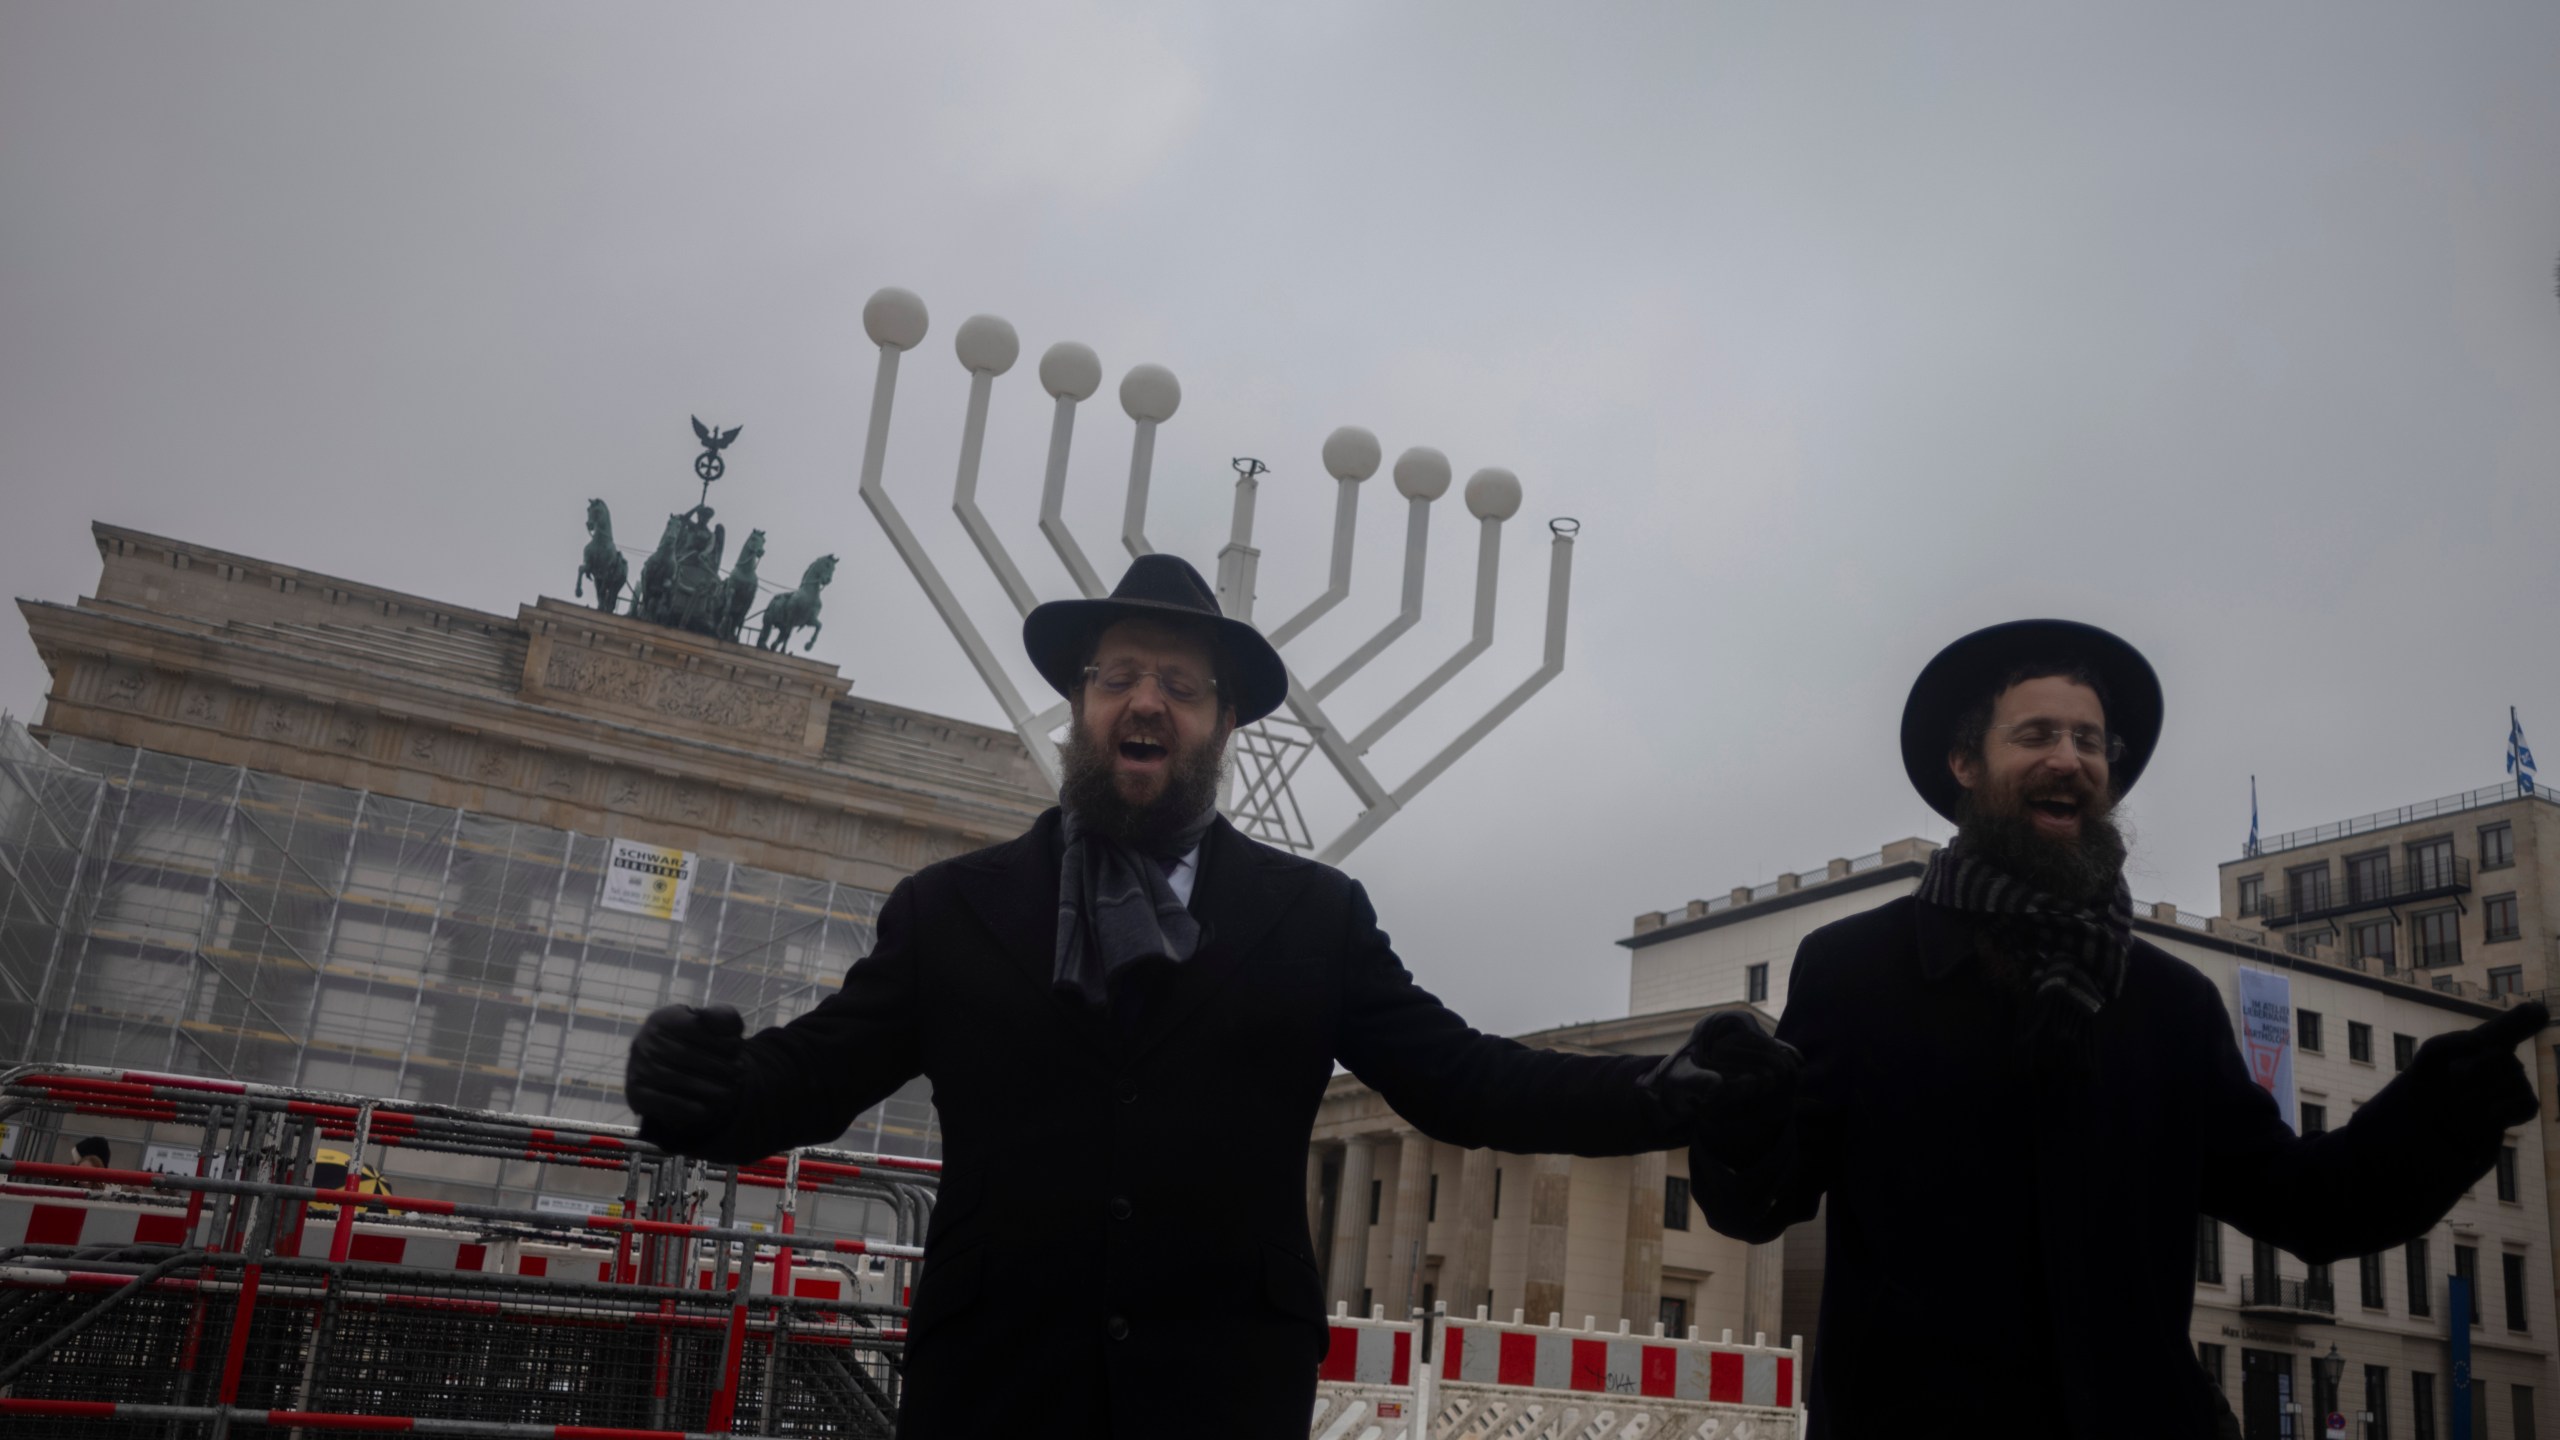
(1965, 672)
(1060, 635)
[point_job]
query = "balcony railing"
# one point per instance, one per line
(2367, 890)
(2292, 1297)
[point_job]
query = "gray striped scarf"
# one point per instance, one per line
(2076, 954)
(1117, 909)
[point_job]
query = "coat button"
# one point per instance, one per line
(1116, 1328)
(1121, 1208)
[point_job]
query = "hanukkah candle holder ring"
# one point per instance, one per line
(1268, 758)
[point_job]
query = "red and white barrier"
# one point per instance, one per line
(1658, 1367)
(79, 1220)
(412, 1247)
(1373, 1384)
(1546, 1382)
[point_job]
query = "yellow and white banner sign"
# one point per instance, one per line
(648, 879)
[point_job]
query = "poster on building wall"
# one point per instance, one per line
(647, 880)
(2266, 1036)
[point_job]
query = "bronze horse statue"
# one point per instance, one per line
(603, 562)
(742, 587)
(786, 613)
(657, 575)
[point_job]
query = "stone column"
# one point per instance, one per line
(1550, 1200)
(1315, 1201)
(1351, 1223)
(1468, 1268)
(1642, 1304)
(1403, 1289)
(1764, 1288)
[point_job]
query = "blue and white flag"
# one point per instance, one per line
(2519, 754)
(2252, 847)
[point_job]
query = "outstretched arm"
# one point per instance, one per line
(802, 1083)
(1459, 1085)
(2391, 1171)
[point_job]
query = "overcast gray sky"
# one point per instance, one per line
(1843, 330)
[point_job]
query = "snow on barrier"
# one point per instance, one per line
(1517, 1381)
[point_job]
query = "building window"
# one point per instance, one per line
(2369, 878)
(2466, 1265)
(2317, 1288)
(1755, 984)
(2497, 846)
(2506, 980)
(1431, 1204)
(2422, 1405)
(2208, 1250)
(2498, 918)
(2360, 1041)
(2307, 887)
(1368, 1299)
(1376, 1189)
(2371, 940)
(2419, 1284)
(2307, 1024)
(2253, 896)
(2404, 1048)
(2511, 1267)
(2209, 1356)
(2439, 938)
(2506, 1172)
(2307, 943)
(1497, 1192)
(1675, 1202)
(2524, 1413)
(2369, 1282)
(2431, 864)
(2315, 1118)
(1675, 1315)
(2377, 1401)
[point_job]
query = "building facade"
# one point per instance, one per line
(281, 826)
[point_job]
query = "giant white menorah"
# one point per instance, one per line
(1262, 799)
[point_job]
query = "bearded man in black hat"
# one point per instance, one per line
(1128, 1015)
(2018, 1109)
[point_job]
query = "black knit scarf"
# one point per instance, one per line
(1116, 908)
(2075, 954)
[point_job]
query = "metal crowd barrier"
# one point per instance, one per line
(1488, 1379)
(183, 1307)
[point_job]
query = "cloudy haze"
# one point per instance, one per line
(1843, 331)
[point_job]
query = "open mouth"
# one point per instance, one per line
(1142, 752)
(2056, 812)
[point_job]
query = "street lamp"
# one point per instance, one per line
(2331, 1368)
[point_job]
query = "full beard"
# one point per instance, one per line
(2084, 870)
(1091, 790)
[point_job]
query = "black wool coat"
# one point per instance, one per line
(1121, 1230)
(1993, 1248)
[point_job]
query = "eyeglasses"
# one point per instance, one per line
(1179, 686)
(2092, 742)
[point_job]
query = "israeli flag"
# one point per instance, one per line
(2519, 754)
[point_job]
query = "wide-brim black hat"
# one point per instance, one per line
(1965, 672)
(1060, 635)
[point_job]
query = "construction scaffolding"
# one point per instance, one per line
(165, 914)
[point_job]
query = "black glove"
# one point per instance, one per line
(684, 1077)
(1733, 1084)
(2475, 1073)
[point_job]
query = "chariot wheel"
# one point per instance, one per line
(709, 465)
